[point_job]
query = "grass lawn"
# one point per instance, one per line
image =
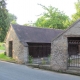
(2, 46)
(5, 58)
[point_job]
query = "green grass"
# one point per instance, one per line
(2, 46)
(6, 58)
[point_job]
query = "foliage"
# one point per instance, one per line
(13, 22)
(77, 14)
(12, 18)
(30, 59)
(43, 61)
(49, 57)
(69, 61)
(53, 18)
(26, 24)
(5, 19)
(2, 46)
(5, 58)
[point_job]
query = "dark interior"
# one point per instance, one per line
(38, 50)
(73, 45)
(10, 48)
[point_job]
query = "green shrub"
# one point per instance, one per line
(49, 57)
(43, 61)
(69, 61)
(30, 59)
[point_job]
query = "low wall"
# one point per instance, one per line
(44, 60)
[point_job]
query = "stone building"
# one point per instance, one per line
(65, 48)
(22, 42)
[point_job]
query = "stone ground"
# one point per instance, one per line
(11, 71)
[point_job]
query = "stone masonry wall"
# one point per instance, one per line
(59, 48)
(59, 54)
(19, 51)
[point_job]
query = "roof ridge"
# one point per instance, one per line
(37, 27)
(34, 34)
(67, 29)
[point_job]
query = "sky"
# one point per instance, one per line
(27, 11)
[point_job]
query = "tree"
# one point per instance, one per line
(3, 19)
(26, 24)
(77, 14)
(41, 22)
(53, 18)
(12, 18)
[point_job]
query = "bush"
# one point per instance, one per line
(30, 59)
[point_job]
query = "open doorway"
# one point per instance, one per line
(10, 48)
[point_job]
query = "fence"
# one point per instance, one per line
(74, 61)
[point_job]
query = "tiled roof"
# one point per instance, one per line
(34, 34)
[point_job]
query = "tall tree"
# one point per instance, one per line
(12, 18)
(53, 18)
(3, 19)
(77, 14)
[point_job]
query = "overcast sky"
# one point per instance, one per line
(28, 10)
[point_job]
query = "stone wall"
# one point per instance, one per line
(59, 54)
(59, 47)
(19, 51)
(44, 60)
